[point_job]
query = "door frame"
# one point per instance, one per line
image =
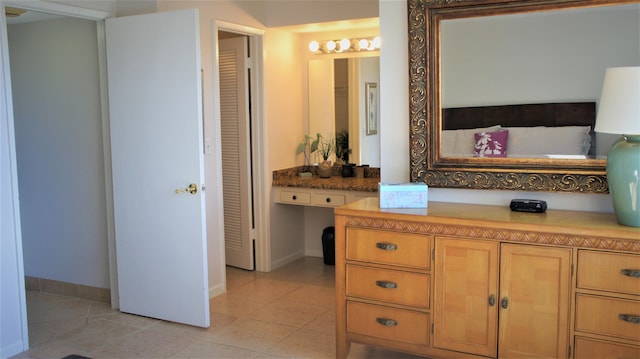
(259, 150)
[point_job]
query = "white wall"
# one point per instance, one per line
(55, 85)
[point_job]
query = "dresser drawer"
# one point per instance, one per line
(328, 200)
(388, 285)
(388, 323)
(587, 348)
(608, 316)
(609, 271)
(295, 197)
(377, 246)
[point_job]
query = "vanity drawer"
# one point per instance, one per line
(328, 200)
(388, 285)
(608, 316)
(592, 349)
(386, 247)
(295, 197)
(388, 323)
(607, 271)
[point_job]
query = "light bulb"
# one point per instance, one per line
(363, 44)
(376, 42)
(331, 45)
(345, 44)
(314, 46)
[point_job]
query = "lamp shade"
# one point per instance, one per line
(619, 107)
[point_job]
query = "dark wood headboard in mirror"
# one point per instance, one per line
(428, 164)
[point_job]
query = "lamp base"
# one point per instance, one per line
(623, 176)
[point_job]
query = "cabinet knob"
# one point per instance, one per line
(492, 300)
(386, 246)
(294, 197)
(387, 322)
(635, 273)
(504, 302)
(328, 199)
(386, 284)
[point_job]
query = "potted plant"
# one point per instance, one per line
(306, 147)
(342, 147)
(324, 147)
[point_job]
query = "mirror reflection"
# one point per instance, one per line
(542, 58)
(337, 104)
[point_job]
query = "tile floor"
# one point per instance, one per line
(287, 313)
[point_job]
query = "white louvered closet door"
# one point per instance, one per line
(236, 153)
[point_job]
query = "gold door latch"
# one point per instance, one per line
(193, 189)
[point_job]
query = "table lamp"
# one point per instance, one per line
(619, 113)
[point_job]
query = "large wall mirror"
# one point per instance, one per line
(337, 93)
(504, 93)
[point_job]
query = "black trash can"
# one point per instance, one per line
(329, 245)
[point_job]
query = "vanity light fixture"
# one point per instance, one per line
(344, 45)
(619, 113)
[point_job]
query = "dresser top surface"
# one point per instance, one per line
(488, 216)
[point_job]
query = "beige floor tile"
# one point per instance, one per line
(254, 335)
(237, 305)
(57, 309)
(205, 350)
(311, 294)
(49, 351)
(42, 332)
(325, 323)
(307, 343)
(263, 289)
(284, 312)
(143, 344)
(95, 335)
(361, 351)
(126, 319)
(237, 277)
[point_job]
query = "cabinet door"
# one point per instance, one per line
(465, 296)
(535, 286)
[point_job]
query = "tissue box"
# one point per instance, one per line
(403, 195)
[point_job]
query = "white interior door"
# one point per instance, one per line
(156, 139)
(236, 153)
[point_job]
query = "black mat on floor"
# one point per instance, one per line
(74, 356)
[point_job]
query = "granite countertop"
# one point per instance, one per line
(289, 178)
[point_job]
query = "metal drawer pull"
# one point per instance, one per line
(634, 273)
(492, 300)
(387, 246)
(387, 322)
(630, 318)
(385, 284)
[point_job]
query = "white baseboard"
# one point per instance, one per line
(216, 290)
(286, 260)
(314, 253)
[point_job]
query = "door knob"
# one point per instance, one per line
(193, 189)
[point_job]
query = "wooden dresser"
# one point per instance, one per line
(472, 281)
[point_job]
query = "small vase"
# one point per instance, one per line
(325, 169)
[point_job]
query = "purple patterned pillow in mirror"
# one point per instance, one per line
(491, 144)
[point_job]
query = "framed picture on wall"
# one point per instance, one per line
(371, 92)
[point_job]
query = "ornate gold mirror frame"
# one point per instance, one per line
(583, 176)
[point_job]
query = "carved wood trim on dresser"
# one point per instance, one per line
(578, 260)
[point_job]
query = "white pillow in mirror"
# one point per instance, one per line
(535, 141)
(461, 143)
